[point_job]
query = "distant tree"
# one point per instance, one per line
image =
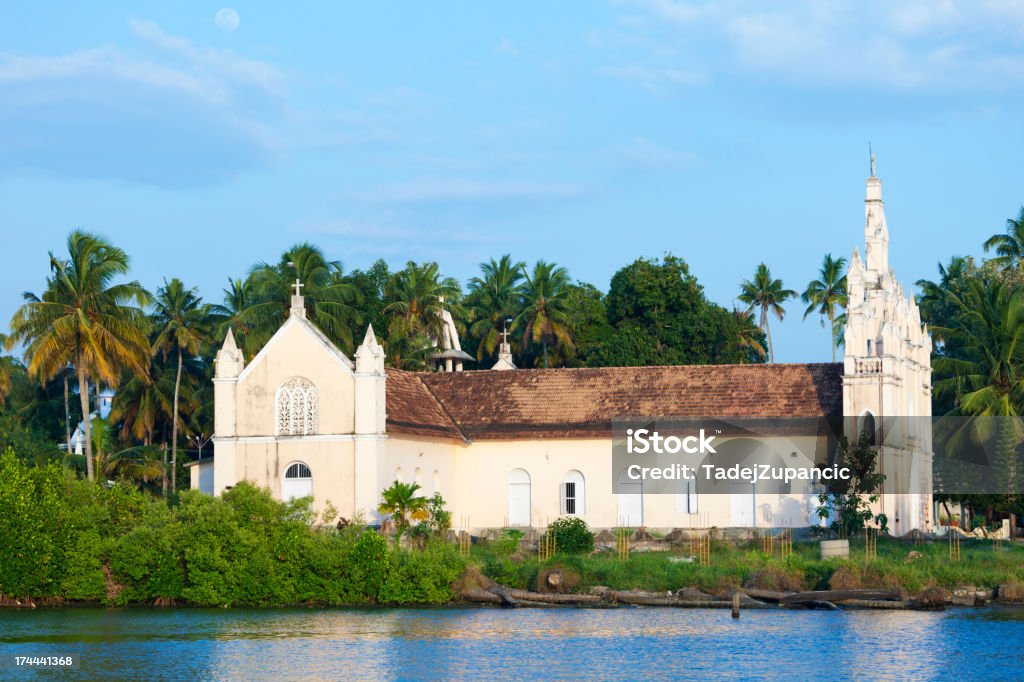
(661, 316)
(414, 299)
(493, 298)
(331, 302)
(233, 315)
(750, 336)
(180, 322)
(824, 294)
(588, 324)
(85, 320)
(544, 317)
(766, 293)
(370, 285)
(1010, 245)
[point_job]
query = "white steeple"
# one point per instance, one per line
(505, 361)
(876, 231)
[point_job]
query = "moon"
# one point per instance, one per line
(226, 19)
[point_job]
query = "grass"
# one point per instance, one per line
(734, 565)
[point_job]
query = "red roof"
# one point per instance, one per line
(583, 402)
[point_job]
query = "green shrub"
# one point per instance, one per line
(508, 543)
(572, 535)
(422, 577)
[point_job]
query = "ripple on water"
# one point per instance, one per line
(527, 643)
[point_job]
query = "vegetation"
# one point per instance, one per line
(745, 564)
(72, 540)
(572, 536)
(767, 294)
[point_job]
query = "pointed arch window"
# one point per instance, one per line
(298, 408)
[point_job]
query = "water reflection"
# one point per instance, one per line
(333, 644)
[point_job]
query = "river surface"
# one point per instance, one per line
(538, 644)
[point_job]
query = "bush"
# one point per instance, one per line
(572, 535)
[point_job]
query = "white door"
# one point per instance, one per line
(518, 498)
(742, 505)
(631, 502)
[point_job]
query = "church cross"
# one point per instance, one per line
(298, 287)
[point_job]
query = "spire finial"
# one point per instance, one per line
(871, 155)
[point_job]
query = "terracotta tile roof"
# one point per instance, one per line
(413, 409)
(578, 403)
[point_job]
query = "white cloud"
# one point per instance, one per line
(506, 47)
(913, 44)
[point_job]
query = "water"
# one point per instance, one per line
(628, 643)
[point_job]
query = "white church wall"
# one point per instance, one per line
(294, 352)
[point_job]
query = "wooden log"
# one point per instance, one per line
(840, 595)
(736, 604)
(874, 604)
(523, 595)
(481, 596)
(766, 595)
(642, 598)
(503, 594)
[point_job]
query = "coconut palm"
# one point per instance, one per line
(231, 314)
(5, 371)
(415, 297)
(767, 294)
(826, 293)
(1009, 245)
(495, 297)
(329, 299)
(403, 505)
(750, 335)
(180, 324)
(144, 401)
(983, 370)
(544, 318)
(85, 320)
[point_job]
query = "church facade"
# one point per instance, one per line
(521, 447)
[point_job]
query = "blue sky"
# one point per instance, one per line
(584, 133)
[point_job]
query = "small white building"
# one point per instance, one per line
(522, 447)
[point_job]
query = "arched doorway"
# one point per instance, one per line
(519, 498)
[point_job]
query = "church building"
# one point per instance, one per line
(521, 447)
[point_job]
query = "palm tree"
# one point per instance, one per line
(750, 335)
(768, 294)
(180, 322)
(142, 402)
(403, 505)
(85, 320)
(238, 297)
(329, 298)
(5, 371)
(827, 292)
(1010, 245)
(415, 299)
(496, 297)
(983, 370)
(544, 318)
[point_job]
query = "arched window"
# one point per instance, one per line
(573, 494)
(519, 512)
(867, 425)
(298, 408)
(418, 476)
(437, 482)
(399, 474)
(298, 482)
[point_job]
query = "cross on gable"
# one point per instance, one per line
(298, 287)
